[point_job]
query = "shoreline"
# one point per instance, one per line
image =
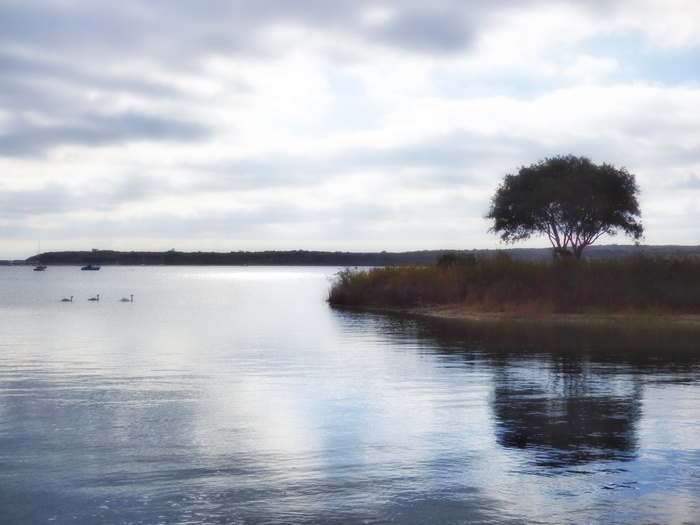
(463, 312)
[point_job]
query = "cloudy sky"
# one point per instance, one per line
(350, 125)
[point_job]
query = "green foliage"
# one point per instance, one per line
(500, 283)
(571, 200)
(452, 258)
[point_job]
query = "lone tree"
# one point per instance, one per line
(569, 199)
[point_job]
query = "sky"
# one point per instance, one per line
(338, 125)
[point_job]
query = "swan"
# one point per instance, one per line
(95, 298)
(64, 300)
(125, 300)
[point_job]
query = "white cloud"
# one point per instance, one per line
(591, 69)
(670, 24)
(355, 125)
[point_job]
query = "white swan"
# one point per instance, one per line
(125, 300)
(95, 298)
(67, 300)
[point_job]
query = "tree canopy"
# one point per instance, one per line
(569, 199)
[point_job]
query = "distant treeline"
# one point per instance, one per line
(241, 258)
(320, 258)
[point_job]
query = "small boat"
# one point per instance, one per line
(39, 267)
(90, 267)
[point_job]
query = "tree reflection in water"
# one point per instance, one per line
(566, 414)
(567, 395)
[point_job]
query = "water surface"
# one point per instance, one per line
(236, 395)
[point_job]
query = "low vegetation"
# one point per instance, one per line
(500, 283)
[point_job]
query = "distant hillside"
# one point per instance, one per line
(241, 258)
(319, 258)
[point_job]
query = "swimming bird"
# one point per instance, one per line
(125, 300)
(95, 298)
(64, 300)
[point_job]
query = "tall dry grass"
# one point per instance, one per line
(500, 283)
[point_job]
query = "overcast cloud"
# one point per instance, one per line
(360, 125)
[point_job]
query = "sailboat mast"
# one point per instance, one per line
(39, 267)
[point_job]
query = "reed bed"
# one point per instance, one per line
(501, 283)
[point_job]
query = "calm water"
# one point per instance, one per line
(236, 395)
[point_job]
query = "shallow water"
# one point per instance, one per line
(236, 395)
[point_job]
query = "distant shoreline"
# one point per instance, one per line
(327, 258)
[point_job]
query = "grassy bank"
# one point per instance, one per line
(502, 284)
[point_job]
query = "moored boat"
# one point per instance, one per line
(90, 267)
(39, 267)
